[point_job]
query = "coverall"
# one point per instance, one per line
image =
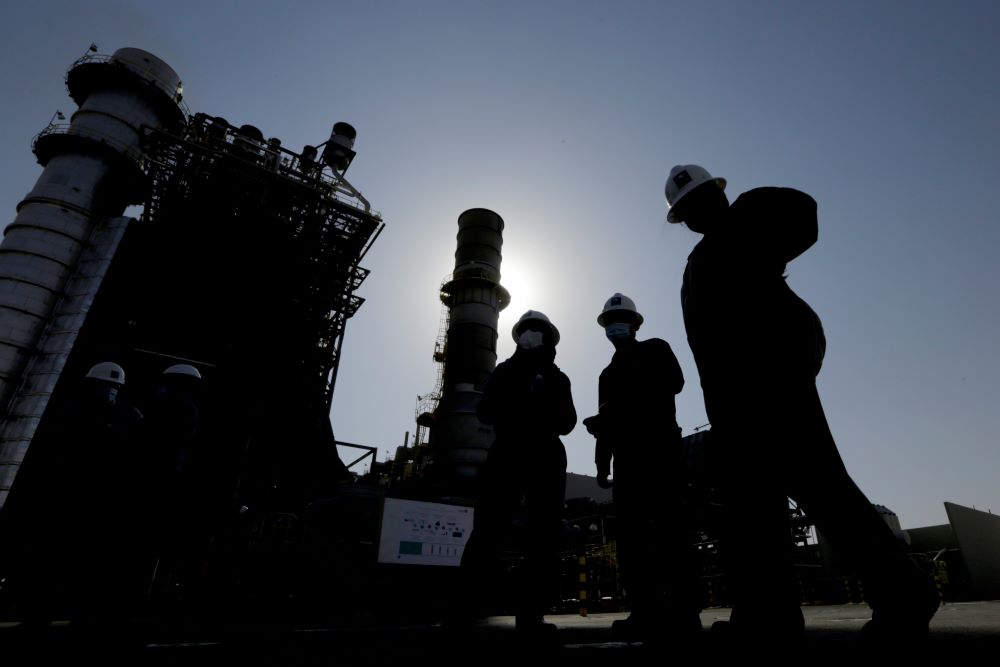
(758, 348)
(181, 510)
(528, 402)
(637, 427)
(80, 528)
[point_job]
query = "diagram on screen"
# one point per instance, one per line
(423, 533)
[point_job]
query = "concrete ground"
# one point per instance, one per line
(832, 632)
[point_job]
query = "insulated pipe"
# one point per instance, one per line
(92, 170)
(474, 298)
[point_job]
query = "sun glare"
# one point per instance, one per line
(527, 292)
(524, 288)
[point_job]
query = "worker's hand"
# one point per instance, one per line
(604, 482)
(593, 424)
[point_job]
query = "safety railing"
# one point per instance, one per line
(127, 150)
(148, 74)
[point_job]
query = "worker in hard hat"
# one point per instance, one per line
(758, 347)
(528, 401)
(181, 510)
(113, 489)
(173, 415)
(636, 428)
(74, 516)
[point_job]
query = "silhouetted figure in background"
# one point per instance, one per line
(529, 403)
(637, 427)
(180, 512)
(112, 522)
(81, 526)
(759, 347)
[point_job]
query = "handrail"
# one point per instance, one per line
(132, 152)
(148, 73)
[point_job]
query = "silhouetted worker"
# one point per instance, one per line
(758, 348)
(637, 427)
(51, 516)
(113, 516)
(529, 403)
(173, 419)
(85, 523)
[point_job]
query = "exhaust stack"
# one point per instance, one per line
(93, 169)
(474, 298)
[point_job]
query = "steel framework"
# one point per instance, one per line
(301, 230)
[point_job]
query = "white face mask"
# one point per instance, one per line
(529, 340)
(107, 394)
(618, 331)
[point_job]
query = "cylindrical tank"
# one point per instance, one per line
(339, 150)
(92, 170)
(248, 142)
(343, 134)
(474, 298)
(217, 128)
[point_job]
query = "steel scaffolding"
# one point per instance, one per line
(302, 230)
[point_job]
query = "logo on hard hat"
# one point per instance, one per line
(682, 179)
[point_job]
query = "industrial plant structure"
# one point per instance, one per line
(55, 253)
(245, 266)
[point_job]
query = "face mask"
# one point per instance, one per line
(530, 340)
(618, 331)
(107, 394)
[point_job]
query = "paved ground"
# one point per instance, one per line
(832, 632)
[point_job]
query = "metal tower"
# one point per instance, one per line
(474, 297)
(245, 263)
(93, 170)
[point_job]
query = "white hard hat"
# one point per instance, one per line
(619, 302)
(534, 316)
(683, 179)
(108, 371)
(183, 369)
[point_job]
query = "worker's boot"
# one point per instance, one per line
(533, 626)
(902, 620)
(653, 627)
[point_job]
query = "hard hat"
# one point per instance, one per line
(108, 371)
(183, 369)
(619, 302)
(683, 179)
(534, 316)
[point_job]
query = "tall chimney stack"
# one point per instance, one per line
(474, 298)
(93, 169)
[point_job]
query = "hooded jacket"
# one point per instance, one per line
(528, 401)
(638, 415)
(748, 331)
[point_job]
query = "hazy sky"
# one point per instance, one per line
(564, 118)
